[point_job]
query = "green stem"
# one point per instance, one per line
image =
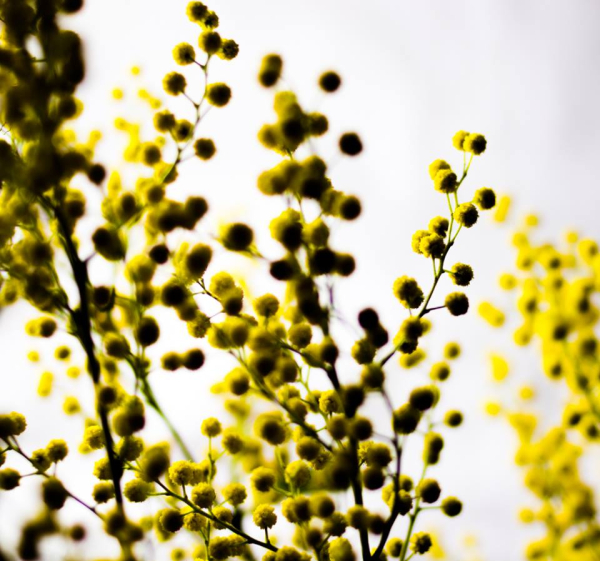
(213, 518)
(16, 448)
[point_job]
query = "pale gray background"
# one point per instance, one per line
(524, 73)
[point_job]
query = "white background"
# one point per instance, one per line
(524, 73)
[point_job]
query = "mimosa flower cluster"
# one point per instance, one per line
(554, 292)
(287, 453)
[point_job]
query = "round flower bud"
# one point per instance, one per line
(429, 490)
(317, 124)
(423, 398)
(420, 543)
(330, 81)
(445, 181)
(329, 402)
(350, 144)
(266, 305)
(77, 532)
(452, 350)
(197, 260)
(154, 463)
(270, 427)
(173, 293)
(170, 361)
(337, 427)
(394, 547)
(195, 208)
(164, 121)
(130, 448)
(211, 427)
(363, 351)
(193, 359)
(12, 424)
(174, 83)
(485, 198)
(361, 428)
(297, 474)
(376, 524)
(103, 492)
(411, 329)
(437, 165)
(171, 520)
(137, 491)
(264, 516)
(229, 49)
(103, 297)
(209, 42)
(262, 479)
(372, 478)
(147, 331)
(270, 70)
(282, 269)
(108, 243)
(184, 54)
(57, 450)
(416, 240)
(439, 225)
(39, 459)
(466, 214)
(300, 335)
(475, 143)
(150, 154)
(181, 131)
(96, 174)
(237, 237)
(196, 12)
(9, 479)
(457, 303)
(408, 292)
(181, 472)
(461, 274)
(218, 94)
(235, 493)
(406, 418)
(458, 140)
(238, 381)
(453, 418)
(54, 494)
(322, 505)
(308, 448)
(203, 495)
(358, 517)
(434, 444)
(345, 264)
(372, 376)
(204, 148)
(368, 319)
(340, 549)
(350, 208)
(232, 442)
(432, 245)
(353, 397)
(451, 506)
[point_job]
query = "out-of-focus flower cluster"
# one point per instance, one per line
(554, 292)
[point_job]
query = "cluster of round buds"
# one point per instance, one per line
(275, 345)
(192, 360)
(554, 290)
(436, 241)
(472, 142)
(293, 125)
